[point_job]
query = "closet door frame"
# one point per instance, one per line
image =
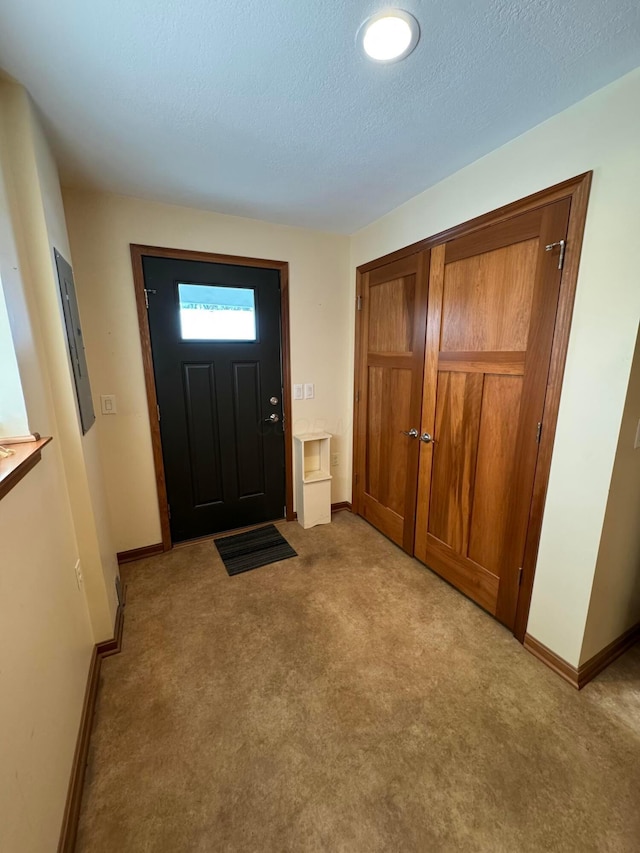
(577, 191)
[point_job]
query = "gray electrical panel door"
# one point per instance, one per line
(76, 344)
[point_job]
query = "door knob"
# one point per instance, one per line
(412, 433)
(426, 438)
(273, 418)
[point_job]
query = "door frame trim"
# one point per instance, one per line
(577, 189)
(139, 251)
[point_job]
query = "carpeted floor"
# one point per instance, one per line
(346, 701)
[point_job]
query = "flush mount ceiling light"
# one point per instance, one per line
(389, 36)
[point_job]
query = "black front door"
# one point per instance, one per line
(216, 344)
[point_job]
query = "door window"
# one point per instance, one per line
(214, 313)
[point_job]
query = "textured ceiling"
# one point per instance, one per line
(265, 108)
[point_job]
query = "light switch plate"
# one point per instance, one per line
(108, 404)
(309, 391)
(636, 444)
(297, 392)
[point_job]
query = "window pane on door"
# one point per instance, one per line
(212, 313)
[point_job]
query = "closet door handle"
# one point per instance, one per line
(412, 433)
(426, 438)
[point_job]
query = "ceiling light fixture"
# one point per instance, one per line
(389, 36)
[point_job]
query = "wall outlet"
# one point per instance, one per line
(79, 578)
(298, 392)
(309, 391)
(335, 459)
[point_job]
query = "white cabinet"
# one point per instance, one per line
(313, 480)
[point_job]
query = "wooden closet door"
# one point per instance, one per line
(493, 297)
(388, 395)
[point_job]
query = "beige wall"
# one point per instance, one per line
(46, 641)
(600, 133)
(37, 213)
(101, 227)
(46, 635)
(90, 493)
(615, 597)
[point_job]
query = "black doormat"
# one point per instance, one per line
(246, 551)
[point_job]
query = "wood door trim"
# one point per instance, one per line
(579, 676)
(510, 363)
(139, 251)
(601, 660)
(552, 660)
(285, 349)
(139, 553)
(360, 426)
(71, 816)
(189, 255)
(577, 190)
(565, 189)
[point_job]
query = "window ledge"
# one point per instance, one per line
(25, 456)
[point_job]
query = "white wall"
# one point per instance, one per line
(600, 133)
(101, 227)
(615, 597)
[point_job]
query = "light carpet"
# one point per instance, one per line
(348, 700)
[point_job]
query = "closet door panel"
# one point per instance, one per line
(388, 395)
(492, 305)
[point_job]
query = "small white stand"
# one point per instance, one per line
(313, 480)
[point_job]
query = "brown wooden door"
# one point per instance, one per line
(388, 395)
(493, 297)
